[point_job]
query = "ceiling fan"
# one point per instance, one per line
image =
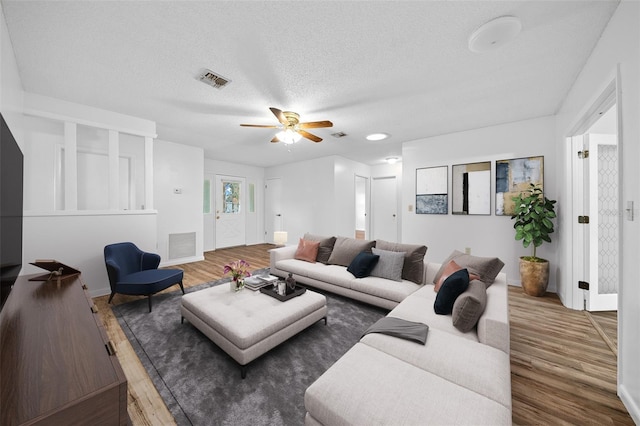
(292, 130)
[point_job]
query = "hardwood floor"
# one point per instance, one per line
(562, 370)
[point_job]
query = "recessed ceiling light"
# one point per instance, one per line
(494, 34)
(392, 160)
(377, 136)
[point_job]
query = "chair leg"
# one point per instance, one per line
(111, 297)
(181, 287)
(149, 297)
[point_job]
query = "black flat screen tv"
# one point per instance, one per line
(11, 179)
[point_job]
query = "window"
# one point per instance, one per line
(230, 197)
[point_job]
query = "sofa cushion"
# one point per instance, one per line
(469, 306)
(325, 248)
(362, 265)
(418, 307)
(449, 269)
(479, 368)
(381, 287)
(413, 268)
(367, 386)
(452, 287)
(487, 268)
(346, 249)
(389, 265)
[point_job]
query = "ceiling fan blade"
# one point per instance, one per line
(280, 116)
(275, 139)
(268, 126)
(315, 124)
(309, 136)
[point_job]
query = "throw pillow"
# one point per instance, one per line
(346, 249)
(389, 265)
(487, 268)
(452, 287)
(325, 248)
(413, 268)
(307, 250)
(469, 306)
(449, 269)
(362, 264)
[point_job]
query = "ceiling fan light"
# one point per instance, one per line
(377, 136)
(288, 136)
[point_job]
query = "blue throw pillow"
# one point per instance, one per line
(452, 287)
(362, 265)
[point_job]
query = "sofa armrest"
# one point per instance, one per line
(281, 253)
(493, 325)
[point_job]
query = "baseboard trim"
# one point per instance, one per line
(629, 403)
(182, 260)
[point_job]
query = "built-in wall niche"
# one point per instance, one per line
(95, 174)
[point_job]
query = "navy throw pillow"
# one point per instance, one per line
(362, 265)
(452, 287)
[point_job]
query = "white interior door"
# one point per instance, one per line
(208, 212)
(597, 200)
(384, 205)
(230, 211)
(274, 220)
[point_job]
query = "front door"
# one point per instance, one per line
(230, 211)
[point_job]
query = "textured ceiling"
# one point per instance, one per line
(386, 66)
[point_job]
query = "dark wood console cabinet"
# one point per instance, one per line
(57, 366)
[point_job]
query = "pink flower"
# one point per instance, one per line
(237, 269)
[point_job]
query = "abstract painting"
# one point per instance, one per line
(471, 188)
(513, 177)
(432, 191)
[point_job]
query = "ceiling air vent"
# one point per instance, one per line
(339, 134)
(213, 79)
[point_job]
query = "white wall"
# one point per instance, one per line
(307, 197)
(618, 46)
(11, 92)
(178, 166)
(485, 235)
(254, 231)
(78, 240)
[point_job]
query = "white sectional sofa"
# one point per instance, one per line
(455, 378)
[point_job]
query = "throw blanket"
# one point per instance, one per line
(414, 331)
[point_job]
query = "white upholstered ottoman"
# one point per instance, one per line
(246, 324)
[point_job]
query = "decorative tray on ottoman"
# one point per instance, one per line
(269, 291)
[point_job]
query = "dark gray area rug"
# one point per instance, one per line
(201, 384)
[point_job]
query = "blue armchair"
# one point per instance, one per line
(135, 272)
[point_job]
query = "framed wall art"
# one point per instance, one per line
(514, 176)
(471, 188)
(432, 191)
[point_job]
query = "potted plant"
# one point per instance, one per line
(532, 214)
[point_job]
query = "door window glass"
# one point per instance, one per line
(231, 196)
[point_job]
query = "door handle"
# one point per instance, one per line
(217, 217)
(278, 215)
(394, 215)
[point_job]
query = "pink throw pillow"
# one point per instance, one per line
(307, 250)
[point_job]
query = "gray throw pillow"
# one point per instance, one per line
(325, 248)
(389, 265)
(487, 268)
(469, 306)
(346, 249)
(413, 268)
